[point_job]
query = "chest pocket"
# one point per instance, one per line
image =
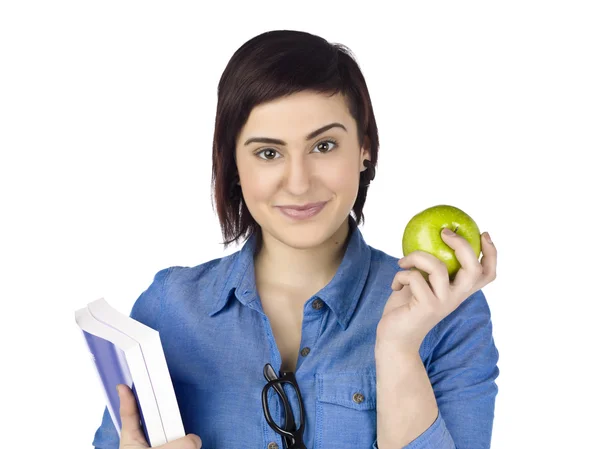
(346, 412)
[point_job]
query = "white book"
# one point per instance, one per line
(128, 352)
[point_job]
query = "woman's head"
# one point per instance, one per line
(284, 85)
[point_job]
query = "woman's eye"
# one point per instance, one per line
(268, 152)
(321, 145)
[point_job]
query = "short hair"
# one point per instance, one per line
(271, 65)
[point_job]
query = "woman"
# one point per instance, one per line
(380, 357)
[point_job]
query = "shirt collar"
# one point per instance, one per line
(341, 294)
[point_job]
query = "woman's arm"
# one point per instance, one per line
(406, 405)
(448, 401)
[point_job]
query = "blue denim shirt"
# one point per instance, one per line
(217, 339)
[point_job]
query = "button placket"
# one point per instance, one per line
(311, 325)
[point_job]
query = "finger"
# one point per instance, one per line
(196, 441)
(437, 272)
(397, 299)
(488, 264)
(190, 441)
(131, 430)
(470, 269)
(420, 289)
(489, 261)
(396, 285)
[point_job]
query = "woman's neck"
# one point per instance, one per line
(299, 269)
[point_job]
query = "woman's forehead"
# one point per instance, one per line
(295, 117)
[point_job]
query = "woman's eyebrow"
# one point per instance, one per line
(312, 135)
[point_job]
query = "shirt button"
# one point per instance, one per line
(272, 445)
(358, 398)
(305, 352)
(317, 304)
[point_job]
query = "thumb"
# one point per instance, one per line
(195, 439)
(131, 429)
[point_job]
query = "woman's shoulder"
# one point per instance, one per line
(383, 263)
(210, 271)
(176, 286)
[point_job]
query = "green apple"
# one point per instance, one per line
(423, 233)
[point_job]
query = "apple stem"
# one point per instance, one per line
(456, 229)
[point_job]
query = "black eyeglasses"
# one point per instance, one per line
(292, 436)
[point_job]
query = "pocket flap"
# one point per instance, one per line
(357, 391)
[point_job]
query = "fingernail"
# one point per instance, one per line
(488, 238)
(447, 232)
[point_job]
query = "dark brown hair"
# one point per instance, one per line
(269, 66)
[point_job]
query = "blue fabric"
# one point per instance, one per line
(217, 340)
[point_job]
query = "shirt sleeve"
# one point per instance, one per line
(146, 310)
(462, 367)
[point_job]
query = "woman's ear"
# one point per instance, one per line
(365, 152)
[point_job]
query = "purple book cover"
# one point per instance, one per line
(112, 368)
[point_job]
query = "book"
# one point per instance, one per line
(126, 351)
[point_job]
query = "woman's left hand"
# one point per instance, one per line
(416, 305)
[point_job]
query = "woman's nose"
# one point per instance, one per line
(297, 175)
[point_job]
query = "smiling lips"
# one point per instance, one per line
(302, 212)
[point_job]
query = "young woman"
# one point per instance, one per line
(307, 336)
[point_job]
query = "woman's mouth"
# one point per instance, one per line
(302, 212)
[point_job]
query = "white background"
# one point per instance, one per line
(106, 121)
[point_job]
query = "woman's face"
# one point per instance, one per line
(300, 170)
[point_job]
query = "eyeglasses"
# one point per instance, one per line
(292, 436)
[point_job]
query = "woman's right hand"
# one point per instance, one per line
(132, 435)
